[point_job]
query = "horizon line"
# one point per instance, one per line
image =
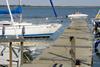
(58, 5)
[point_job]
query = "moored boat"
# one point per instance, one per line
(78, 17)
(27, 29)
(96, 32)
(24, 29)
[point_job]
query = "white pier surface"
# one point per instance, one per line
(83, 43)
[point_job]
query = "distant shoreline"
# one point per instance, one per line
(47, 6)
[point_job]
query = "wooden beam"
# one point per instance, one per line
(67, 46)
(53, 59)
(10, 54)
(21, 44)
(20, 62)
(60, 56)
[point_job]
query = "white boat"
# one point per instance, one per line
(79, 17)
(27, 29)
(24, 29)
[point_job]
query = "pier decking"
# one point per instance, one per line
(60, 51)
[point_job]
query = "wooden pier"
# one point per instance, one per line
(64, 51)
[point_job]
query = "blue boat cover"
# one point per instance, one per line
(17, 10)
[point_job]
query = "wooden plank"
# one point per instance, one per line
(72, 46)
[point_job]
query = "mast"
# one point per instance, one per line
(11, 16)
(53, 8)
(20, 20)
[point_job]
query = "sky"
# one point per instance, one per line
(56, 2)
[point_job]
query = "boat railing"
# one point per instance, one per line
(44, 20)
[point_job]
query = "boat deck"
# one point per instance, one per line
(62, 46)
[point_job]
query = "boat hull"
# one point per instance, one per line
(31, 31)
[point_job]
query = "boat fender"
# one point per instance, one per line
(96, 45)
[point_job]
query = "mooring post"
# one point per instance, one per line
(21, 44)
(3, 31)
(10, 54)
(72, 51)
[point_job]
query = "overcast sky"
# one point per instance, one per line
(56, 2)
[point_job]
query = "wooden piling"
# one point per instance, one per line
(72, 51)
(21, 44)
(10, 54)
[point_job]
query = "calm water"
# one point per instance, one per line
(61, 11)
(38, 12)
